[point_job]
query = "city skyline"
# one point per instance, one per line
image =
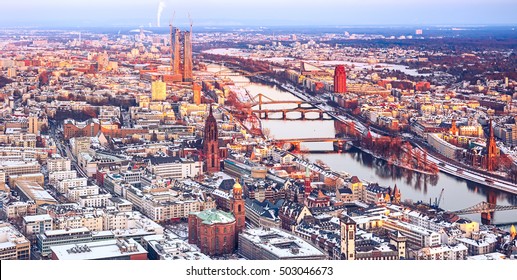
(272, 131)
(158, 13)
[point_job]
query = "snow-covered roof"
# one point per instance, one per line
(281, 244)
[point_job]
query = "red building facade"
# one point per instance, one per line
(492, 150)
(340, 79)
(213, 231)
(211, 144)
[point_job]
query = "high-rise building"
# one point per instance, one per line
(187, 56)
(181, 53)
(175, 49)
(211, 144)
(196, 89)
(340, 79)
(158, 91)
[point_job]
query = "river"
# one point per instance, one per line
(458, 193)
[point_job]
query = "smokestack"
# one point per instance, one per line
(161, 6)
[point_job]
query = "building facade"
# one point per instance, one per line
(340, 79)
(211, 144)
(213, 231)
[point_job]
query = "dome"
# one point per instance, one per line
(237, 185)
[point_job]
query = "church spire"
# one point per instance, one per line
(491, 149)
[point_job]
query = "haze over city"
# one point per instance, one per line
(257, 130)
(256, 13)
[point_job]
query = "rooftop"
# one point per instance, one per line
(10, 236)
(170, 247)
(107, 249)
(213, 216)
(281, 244)
(37, 218)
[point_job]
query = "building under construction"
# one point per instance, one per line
(181, 54)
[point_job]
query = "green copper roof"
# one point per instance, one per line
(213, 216)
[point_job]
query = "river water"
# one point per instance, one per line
(458, 193)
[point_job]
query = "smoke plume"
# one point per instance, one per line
(161, 6)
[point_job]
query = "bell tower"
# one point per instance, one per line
(238, 209)
(491, 149)
(348, 230)
(211, 144)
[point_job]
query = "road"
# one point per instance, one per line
(466, 172)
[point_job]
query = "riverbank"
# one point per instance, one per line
(459, 193)
(442, 165)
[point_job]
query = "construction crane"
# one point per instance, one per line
(438, 200)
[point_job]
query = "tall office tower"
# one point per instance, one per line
(340, 79)
(158, 91)
(181, 53)
(175, 35)
(196, 88)
(187, 56)
(211, 144)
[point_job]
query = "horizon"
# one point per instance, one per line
(230, 13)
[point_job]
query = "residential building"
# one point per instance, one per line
(13, 245)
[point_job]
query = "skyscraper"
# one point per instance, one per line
(181, 53)
(340, 79)
(187, 56)
(211, 144)
(175, 49)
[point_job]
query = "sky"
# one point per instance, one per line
(128, 13)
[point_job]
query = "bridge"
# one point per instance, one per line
(261, 99)
(486, 210)
(484, 207)
(265, 114)
(340, 144)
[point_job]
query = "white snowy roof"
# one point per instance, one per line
(280, 243)
(37, 218)
(98, 250)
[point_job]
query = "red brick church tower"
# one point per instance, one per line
(211, 144)
(237, 208)
(491, 161)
